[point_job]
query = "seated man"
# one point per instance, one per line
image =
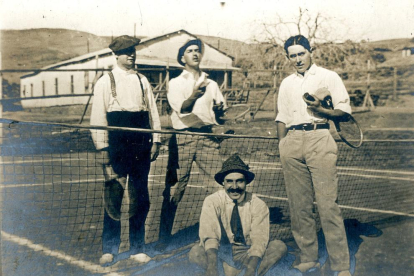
(243, 219)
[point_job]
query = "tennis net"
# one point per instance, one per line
(52, 193)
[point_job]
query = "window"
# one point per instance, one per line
(31, 90)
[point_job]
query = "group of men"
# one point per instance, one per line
(234, 224)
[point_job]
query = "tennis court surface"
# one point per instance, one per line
(52, 207)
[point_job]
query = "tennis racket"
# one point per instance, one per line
(346, 126)
(235, 112)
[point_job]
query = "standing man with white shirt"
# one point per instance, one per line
(124, 98)
(197, 104)
(308, 154)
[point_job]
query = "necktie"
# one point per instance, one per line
(236, 225)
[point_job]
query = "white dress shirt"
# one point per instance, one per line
(292, 109)
(129, 98)
(216, 214)
(180, 89)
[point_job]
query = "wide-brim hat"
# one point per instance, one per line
(234, 164)
(123, 42)
(182, 49)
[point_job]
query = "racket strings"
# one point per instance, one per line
(350, 132)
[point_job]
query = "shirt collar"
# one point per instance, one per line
(312, 70)
(120, 71)
(187, 74)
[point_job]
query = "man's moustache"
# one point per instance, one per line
(235, 191)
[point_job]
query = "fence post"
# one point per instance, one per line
(367, 99)
(394, 94)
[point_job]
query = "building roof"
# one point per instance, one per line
(152, 52)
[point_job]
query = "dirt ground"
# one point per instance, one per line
(386, 249)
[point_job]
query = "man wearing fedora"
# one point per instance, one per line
(234, 226)
(124, 98)
(197, 105)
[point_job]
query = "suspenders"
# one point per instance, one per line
(144, 95)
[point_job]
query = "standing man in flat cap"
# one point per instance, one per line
(308, 154)
(197, 104)
(241, 220)
(124, 98)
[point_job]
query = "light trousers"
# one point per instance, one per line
(309, 165)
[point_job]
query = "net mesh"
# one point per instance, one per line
(52, 193)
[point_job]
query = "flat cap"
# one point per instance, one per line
(123, 42)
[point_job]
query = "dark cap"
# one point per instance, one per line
(297, 40)
(123, 42)
(181, 51)
(234, 164)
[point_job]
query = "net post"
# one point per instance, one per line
(1, 166)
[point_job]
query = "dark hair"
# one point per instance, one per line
(297, 40)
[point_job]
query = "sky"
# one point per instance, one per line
(234, 19)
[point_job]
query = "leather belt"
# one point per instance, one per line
(307, 127)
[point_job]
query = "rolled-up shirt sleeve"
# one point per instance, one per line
(98, 114)
(340, 97)
(282, 105)
(176, 97)
(210, 231)
(259, 234)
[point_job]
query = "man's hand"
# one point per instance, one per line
(315, 105)
(199, 90)
(219, 111)
(201, 82)
(103, 156)
(155, 150)
(211, 271)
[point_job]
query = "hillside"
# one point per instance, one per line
(35, 48)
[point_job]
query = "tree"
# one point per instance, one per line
(328, 51)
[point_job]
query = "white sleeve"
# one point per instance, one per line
(98, 113)
(156, 122)
(340, 97)
(176, 97)
(282, 104)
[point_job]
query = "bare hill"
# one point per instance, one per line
(35, 48)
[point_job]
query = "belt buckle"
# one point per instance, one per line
(304, 126)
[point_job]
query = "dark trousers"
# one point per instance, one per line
(111, 235)
(129, 154)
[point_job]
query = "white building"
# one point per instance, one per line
(156, 58)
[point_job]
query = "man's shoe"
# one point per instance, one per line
(106, 259)
(308, 267)
(141, 258)
(229, 270)
(344, 273)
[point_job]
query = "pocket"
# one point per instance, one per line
(283, 141)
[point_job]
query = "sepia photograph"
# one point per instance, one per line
(211, 137)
